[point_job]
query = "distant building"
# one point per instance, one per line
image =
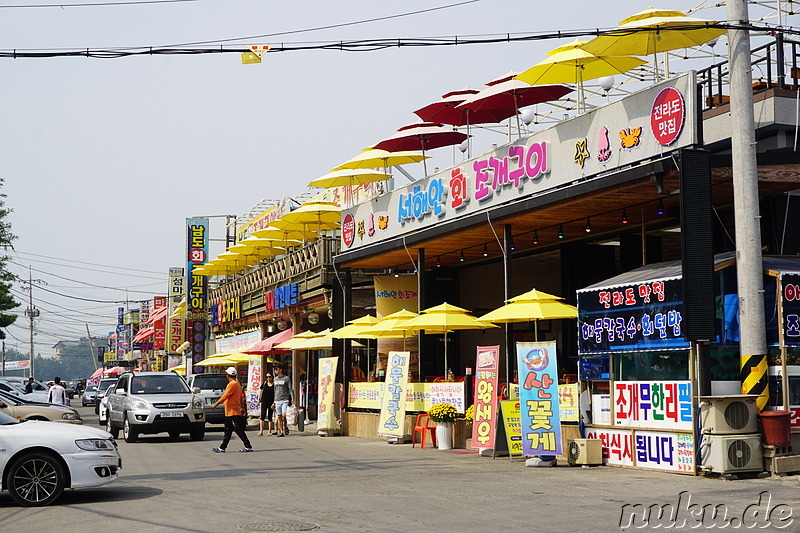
(82, 346)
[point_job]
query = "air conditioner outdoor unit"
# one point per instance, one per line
(584, 452)
(733, 453)
(728, 415)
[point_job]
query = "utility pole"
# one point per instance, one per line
(91, 343)
(32, 313)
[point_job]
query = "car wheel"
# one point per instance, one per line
(111, 429)
(128, 432)
(197, 434)
(35, 479)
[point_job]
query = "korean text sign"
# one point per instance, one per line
(659, 450)
(327, 384)
(653, 404)
(538, 398)
(484, 422)
(254, 380)
(512, 426)
(642, 316)
(393, 407)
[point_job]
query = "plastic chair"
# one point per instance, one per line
(423, 425)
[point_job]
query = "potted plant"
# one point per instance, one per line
(444, 415)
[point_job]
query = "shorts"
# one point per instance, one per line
(281, 406)
(267, 412)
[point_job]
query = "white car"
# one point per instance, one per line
(40, 459)
(16, 386)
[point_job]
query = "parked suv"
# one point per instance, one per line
(211, 388)
(153, 402)
(102, 388)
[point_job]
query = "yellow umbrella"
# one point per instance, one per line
(351, 177)
(443, 319)
(651, 31)
(288, 236)
(323, 341)
(388, 327)
(576, 66)
(297, 339)
(291, 231)
(373, 158)
(240, 357)
(355, 327)
(216, 361)
(532, 306)
(326, 215)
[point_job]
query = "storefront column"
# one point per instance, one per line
(342, 313)
(509, 330)
(421, 280)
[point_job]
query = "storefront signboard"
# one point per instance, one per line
(394, 294)
(645, 316)
(590, 146)
(419, 397)
(658, 450)
(254, 380)
(393, 405)
(159, 326)
(235, 343)
(16, 365)
(538, 398)
(175, 327)
(512, 426)
(653, 404)
(790, 300)
(484, 420)
(196, 256)
(568, 396)
(326, 418)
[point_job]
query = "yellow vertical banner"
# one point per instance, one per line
(326, 418)
(394, 294)
(393, 405)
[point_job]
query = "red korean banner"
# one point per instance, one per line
(485, 405)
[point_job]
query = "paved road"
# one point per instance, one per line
(346, 484)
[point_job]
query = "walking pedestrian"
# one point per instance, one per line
(283, 399)
(266, 397)
(57, 393)
(235, 417)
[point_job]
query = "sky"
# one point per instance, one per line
(104, 159)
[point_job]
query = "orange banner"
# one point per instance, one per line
(484, 420)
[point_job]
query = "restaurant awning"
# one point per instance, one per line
(143, 334)
(158, 314)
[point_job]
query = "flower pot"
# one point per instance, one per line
(444, 436)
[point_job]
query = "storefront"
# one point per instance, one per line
(559, 210)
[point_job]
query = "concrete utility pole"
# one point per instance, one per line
(32, 313)
(745, 186)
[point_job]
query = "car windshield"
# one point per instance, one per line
(35, 385)
(10, 398)
(106, 384)
(91, 388)
(210, 382)
(158, 385)
(6, 420)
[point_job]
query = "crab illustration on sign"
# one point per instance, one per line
(383, 222)
(630, 137)
(581, 152)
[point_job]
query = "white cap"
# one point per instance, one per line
(231, 371)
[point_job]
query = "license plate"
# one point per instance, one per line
(171, 414)
(211, 401)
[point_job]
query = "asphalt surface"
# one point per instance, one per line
(307, 482)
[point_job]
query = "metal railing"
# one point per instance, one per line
(311, 258)
(770, 60)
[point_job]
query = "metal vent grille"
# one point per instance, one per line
(737, 415)
(739, 453)
(574, 451)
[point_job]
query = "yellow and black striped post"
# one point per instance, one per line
(754, 378)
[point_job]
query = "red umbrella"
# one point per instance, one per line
(421, 136)
(267, 346)
(506, 95)
(445, 111)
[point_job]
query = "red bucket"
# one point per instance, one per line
(776, 428)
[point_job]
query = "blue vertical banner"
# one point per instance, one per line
(538, 398)
(196, 314)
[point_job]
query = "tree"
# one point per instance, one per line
(7, 301)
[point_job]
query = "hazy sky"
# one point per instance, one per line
(104, 159)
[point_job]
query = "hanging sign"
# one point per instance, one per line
(254, 379)
(259, 49)
(538, 395)
(485, 403)
(393, 406)
(326, 418)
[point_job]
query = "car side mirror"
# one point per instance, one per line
(121, 392)
(196, 390)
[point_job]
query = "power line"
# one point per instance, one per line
(86, 263)
(125, 289)
(98, 4)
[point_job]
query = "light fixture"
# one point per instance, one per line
(485, 251)
(396, 273)
(660, 206)
(438, 262)
(461, 257)
(536, 237)
(588, 227)
(624, 216)
(560, 231)
(511, 244)
(313, 318)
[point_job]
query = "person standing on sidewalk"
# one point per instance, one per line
(57, 393)
(283, 399)
(235, 418)
(266, 397)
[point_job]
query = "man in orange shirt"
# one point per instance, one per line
(235, 417)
